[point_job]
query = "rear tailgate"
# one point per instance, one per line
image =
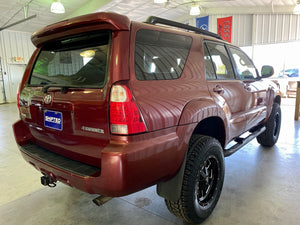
(64, 102)
(73, 124)
(64, 93)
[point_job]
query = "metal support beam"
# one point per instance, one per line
(18, 22)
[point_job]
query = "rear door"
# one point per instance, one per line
(229, 93)
(65, 101)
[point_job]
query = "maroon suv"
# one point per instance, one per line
(111, 106)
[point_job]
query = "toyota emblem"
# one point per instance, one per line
(47, 99)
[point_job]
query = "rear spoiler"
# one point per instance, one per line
(81, 24)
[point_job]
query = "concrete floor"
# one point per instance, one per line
(262, 186)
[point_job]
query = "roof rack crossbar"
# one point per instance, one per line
(154, 20)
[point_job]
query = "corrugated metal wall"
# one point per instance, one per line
(13, 44)
(248, 30)
(241, 28)
(271, 29)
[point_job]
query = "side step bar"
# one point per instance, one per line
(241, 142)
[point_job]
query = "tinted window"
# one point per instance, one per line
(221, 61)
(79, 61)
(209, 68)
(160, 55)
(243, 65)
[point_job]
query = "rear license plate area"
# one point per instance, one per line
(53, 120)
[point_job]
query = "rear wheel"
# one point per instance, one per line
(270, 136)
(202, 182)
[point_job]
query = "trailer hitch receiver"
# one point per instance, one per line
(47, 180)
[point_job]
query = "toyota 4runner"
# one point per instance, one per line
(111, 106)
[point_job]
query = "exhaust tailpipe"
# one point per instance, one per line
(101, 200)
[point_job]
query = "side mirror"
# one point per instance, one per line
(267, 71)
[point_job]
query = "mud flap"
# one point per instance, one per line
(171, 189)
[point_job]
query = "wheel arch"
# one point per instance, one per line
(207, 115)
(213, 127)
(276, 99)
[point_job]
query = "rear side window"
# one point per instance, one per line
(221, 61)
(160, 55)
(78, 61)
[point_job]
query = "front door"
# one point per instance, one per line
(256, 109)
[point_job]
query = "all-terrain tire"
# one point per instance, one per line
(202, 181)
(270, 136)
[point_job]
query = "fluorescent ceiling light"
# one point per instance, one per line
(57, 7)
(160, 1)
(195, 11)
(297, 8)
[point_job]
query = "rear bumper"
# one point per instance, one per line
(128, 164)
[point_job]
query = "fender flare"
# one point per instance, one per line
(197, 110)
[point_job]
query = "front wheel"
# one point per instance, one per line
(202, 181)
(270, 136)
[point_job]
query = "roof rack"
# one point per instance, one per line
(154, 20)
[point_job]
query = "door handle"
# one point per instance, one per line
(218, 89)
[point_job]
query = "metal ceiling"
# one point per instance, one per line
(137, 10)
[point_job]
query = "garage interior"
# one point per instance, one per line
(262, 185)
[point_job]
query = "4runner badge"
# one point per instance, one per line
(47, 99)
(91, 129)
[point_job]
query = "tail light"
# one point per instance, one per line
(125, 117)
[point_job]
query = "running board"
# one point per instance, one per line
(241, 142)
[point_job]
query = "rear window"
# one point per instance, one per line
(160, 55)
(77, 61)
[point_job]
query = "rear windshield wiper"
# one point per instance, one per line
(64, 88)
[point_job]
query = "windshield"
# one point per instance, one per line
(76, 61)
